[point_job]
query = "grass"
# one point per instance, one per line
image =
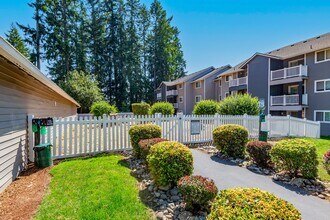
(93, 188)
(322, 145)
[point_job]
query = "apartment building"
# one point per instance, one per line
(185, 92)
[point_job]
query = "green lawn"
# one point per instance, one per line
(93, 188)
(322, 145)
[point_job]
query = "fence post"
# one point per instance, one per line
(158, 117)
(30, 138)
(180, 126)
(216, 120)
(319, 130)
(104, 127)
(245, 121)
(305, 127)
(289, 125)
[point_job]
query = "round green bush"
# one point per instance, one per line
(206, 107)
(239, 105)
(326, 161)
(140, 132)
(140, 108)
(169, 161)
(251, 203)
(295, 156)
(231, 140)
(198, 192)
(146, 144)
(165, 108)
(101, 108)
(259, 152)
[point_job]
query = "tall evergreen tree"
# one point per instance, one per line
(15, 39)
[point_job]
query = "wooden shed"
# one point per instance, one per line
(24, 90)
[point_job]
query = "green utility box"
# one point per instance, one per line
(263, 136)
(43, 155)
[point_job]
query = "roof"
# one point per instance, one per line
(216, 72)
(303, 47)
(191, 76)
(14, 56)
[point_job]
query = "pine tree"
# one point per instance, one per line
(15, 39)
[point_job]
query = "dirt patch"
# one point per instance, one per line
(22, 198)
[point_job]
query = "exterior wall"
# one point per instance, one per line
(217, 90)
(181, 93)
(258, 71)
(209, 88)
(195, 92)
(21, 95)
(317, 101)
(224, 87)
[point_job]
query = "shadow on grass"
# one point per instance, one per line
(124, 162)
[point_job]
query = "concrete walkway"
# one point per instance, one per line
(229, 175)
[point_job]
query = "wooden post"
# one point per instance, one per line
(30, 138)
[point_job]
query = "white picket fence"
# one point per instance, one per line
(76, 136)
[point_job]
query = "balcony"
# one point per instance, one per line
(238, 82)
(159, 95)
(288, 100)
(171, 92)
(175, 105)
(296, 71)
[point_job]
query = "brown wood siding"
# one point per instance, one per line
(20, 95)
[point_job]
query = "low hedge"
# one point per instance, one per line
(251, 203)
(198, 192)
(296, 156)
(140, 108)
(169, 161)
(206, 107)
(231, 140)
(164, 108)
(103, 108)
(140, 132)
(259, 152)
(326, 162)
(146, 144)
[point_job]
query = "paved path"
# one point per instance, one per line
(228, 175)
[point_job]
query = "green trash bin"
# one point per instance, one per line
(43, 155)
(263, 136)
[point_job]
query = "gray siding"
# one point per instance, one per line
(21, 95)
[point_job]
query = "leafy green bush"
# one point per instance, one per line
(259, 152)
(165, 108)
(239, 105)
(206, 107)
(295, 156)
(197, 191)
(251, 203)
(231, 140)
(146, 144)
(140, 108)
(326, 162)
(169, 161)
(101, 108)
(140, 132)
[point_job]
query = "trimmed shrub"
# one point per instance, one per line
(169, 161)
(197, 191)
(165, 108)
(251, 203)
(140, 108)
(295, 156)
(206, 107)
(101, 108)
(326, 162)
(231, 140)
(146, 144)
(259, 152)
(140, 132)
(239, 105)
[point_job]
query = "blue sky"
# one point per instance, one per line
(220, 32)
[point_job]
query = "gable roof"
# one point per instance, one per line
(216, 72)
(15, 57)
(191, 76)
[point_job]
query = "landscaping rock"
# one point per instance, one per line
(185, 215)
(164, 188)
(160, 215)
(174, 191)
(299, 182)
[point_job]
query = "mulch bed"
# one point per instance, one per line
(21, 199)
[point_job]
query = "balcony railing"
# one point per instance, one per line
(238, 81)
(159, 95)
(171, 92)
(285, 100)
(289, 72)
(175, 105)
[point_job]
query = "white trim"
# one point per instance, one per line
(321, 80)
(200, 98)
(268, 87)
(325, 56)
(322, 111)
(305, 59)
(204, 88)
(200, 85)
(181, 98)
(291, 61)
(184, 98)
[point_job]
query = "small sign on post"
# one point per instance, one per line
(195, 127)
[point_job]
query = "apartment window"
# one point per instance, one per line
(227, 94)
(322, 116)
(180, 99)
(220, 83)
(322, 85)
(220, 97)
(323, 55)
(198, 98)
(227, 78)
(293, 89)
(180, 86)
(296, 62)
(197, 85)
